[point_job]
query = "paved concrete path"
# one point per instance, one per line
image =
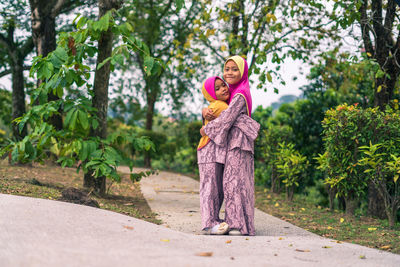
(38, 232)
(175, 198)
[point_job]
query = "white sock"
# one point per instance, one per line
(214, 229)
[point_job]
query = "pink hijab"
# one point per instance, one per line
(208, 89)
(243, 86)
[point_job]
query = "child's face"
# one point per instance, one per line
(221, 90)
(231, 72)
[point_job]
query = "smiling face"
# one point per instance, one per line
(221, 90)
(232, 73)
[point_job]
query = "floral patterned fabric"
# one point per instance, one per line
(211, 153)
(235, 124)
(236, 131)
(211, 193)
(238, 185)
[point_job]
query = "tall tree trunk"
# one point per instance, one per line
(376, 205)
(351, 204)
(17, 53)
(331, 193)
(18, 98)
(275, 181)
(43, 14)
(386, 86)
(151, 101)
(235, 26)
(100, 88)
(384, 49)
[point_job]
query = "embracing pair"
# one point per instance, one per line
(225, 153)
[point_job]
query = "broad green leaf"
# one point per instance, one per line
(179, 4)
(68, 116)
(104, 22)
(119, 58)
(95, 124)
(83, 119)
(72, 123)
(103, 63)
(148, 64)
(81, 22)
(60, 91)
(61, 53)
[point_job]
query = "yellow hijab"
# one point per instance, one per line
(216, 105)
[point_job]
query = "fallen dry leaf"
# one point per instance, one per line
(372, 229)
(362, 257)
(385, 247)
(128, 227)
(326, 247)
(281, 238)
(165, 240)
(247, 238)
(228, 241)
(303, 250)
(329, 228)
(204, 254)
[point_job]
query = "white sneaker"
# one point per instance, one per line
(234, 232)
(220, 229)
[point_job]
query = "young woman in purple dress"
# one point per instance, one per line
(235, 130)
(211, 160)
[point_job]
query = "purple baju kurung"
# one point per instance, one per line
(211, 159)
(236, 131)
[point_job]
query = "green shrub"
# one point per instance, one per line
(291, 166)
(158, 139)
(381, 161)
(352, 137)
(274, 135)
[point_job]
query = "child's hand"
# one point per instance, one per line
(208, 114)
(202, 131)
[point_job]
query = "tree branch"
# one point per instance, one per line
(365, 29)
(376, 6)
(390, 13)
(6, 72)
(245, 24)
(57, 8)
(216, 52)
(3, 41)
(27, 47)
(256, 47)
(255, 8)
(166, 9)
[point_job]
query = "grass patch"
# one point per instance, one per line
(362, 230)
(48, 181)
